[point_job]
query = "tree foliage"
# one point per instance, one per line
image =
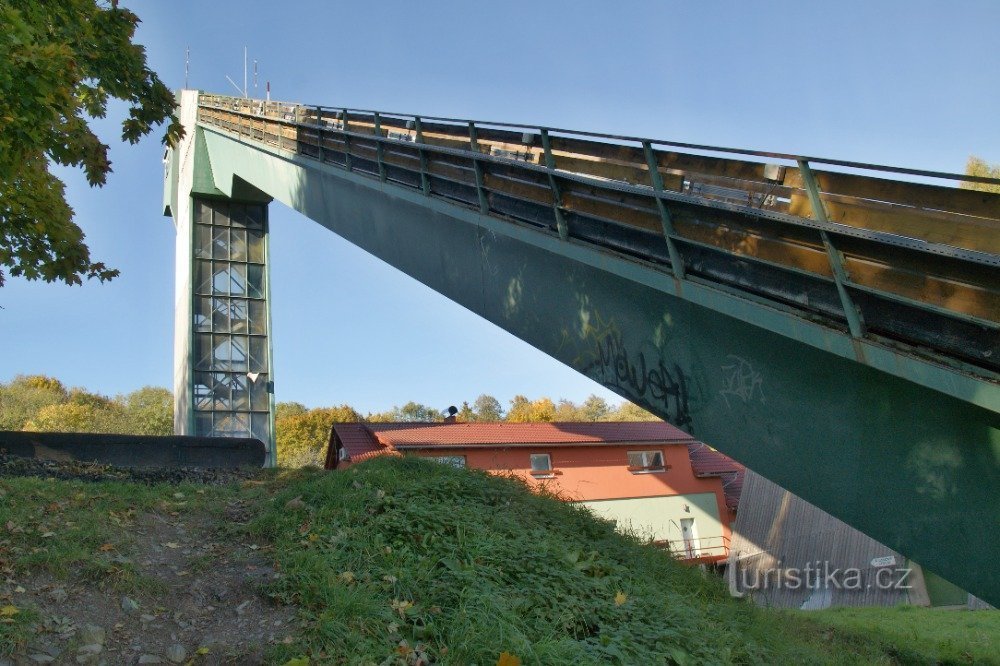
(523, 410)
(25, 396)
(285, 409)
(60, 64)
(302, 437)
(487, 408)
(411, 411)
(43, 404)
(979, 167)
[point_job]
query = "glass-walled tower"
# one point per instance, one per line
(223, 370)
(231, 387)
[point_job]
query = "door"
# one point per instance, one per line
(689, 534)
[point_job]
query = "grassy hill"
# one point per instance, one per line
(396, 561)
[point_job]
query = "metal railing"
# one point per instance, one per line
(701, 549)
(854, 247)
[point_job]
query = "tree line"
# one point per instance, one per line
(44, 404)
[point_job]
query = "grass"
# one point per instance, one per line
(919, 635)
(399, 560)
(62, 526)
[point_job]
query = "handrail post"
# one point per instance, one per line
(484, 204)
(345, 126)
(425, 183)
(379, 146)
(550, 167)
(666, 221)
(319, 133)
(840, 278)
(295, 126)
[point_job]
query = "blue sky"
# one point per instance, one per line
(911, 83)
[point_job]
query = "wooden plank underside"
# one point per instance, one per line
(973, 233)
(918, 195)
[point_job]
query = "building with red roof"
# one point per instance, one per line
(649, 477)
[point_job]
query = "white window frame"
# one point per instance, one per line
(541, 473)
(647, 458)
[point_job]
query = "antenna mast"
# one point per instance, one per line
(244, 91)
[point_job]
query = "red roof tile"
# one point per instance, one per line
(706, 461)
(418, 435)
(358, 441)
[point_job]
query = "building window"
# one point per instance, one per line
(541, 466)
(640, 462)
(454, 461)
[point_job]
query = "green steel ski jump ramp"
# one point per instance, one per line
(830, 326)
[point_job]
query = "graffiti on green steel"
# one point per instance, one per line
(742, 381)
(649, 381)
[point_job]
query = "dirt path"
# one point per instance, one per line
(195, 597)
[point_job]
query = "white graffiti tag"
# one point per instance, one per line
(743, 382)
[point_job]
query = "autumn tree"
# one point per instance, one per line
(285, 409)
(302, 438)
(60, 64)
(87, 416)
(979, 167)
(523, 410)
(567, 411)
(149, 411)
(411, 411)
(629, 411)
(594, 408)
(466, 413)
(146, 411)
(25, 396)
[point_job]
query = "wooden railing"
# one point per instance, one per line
(877, 254)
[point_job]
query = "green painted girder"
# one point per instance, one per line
(902, 448)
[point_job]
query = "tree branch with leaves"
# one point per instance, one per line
(61, 61)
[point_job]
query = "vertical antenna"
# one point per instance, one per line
(187, 65)
(255, 77)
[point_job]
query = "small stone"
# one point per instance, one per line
(129, 605)
(242, 608)
(150, 659)
(59, 595)
(91, 634)
(44, 647)
(145, 617)
(42, 658)
(176, 653)
(88, 657)
(91, 648)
